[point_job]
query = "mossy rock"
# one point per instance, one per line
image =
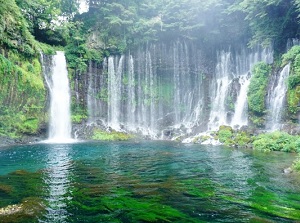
(101, 135)
(78, 118)
(27, 211)
(225, 134)
(225, 127)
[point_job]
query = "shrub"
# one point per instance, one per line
(276, 141)
(225, 134)
(296, 165)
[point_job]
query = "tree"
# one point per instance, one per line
(271, 21)
(46, 19)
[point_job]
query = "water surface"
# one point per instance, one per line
(147, 182)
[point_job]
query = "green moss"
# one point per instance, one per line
(225, 134)
(293, 94)
(202, 188)
(257, 92)
(22, 95)
(29, 126)
(46, 49)
(293, 98)
(78, 118)
(99, 134)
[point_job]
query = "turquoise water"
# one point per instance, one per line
(146, 182)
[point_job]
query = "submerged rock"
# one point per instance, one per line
(30, 207)
(11, 209)
(288, 170)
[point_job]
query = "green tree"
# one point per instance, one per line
(271, 21)
(46, 19)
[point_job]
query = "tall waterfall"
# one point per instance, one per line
(114, 91)
(219, 89)
(230, 85)
(276, 97)
(240, 113)
(58, 83)
(170, 90)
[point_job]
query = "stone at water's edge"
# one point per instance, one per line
(29, 208)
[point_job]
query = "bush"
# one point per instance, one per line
(225, 134)
(291, 55)
(276, 141)
(296, 165)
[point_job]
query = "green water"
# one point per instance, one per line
(146, 182)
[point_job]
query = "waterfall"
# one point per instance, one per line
(230, 85)
(276, 98)
(170, 90)
(93, 102)
(240, 114)
(115, 68)
(58, 83)
(131, 103)
(218, 115)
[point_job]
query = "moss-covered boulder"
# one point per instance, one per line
(99, 134)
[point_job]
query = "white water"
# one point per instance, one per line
(115, 68)
(168, 90)
(276, 99)
(223, 75)
(60, 117)
(93, 103)
(131, 95)
(228, 69)
(240, 115)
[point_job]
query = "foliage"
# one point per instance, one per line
(276, 141)
(291, 55)
(78, 118)
(271, 21)
(14, 34)
(296, 165)
(225, 134)
(257, 91)
(121, 25)
(22, 96)
(242, 139)
(101, 135)
(47, 19)
(293, 94)
(230, 137)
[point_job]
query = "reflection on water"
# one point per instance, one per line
(149, 182)
(57, 178)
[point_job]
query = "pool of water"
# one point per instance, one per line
(146, 182)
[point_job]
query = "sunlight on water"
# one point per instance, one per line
(57, 177)
(147, 182)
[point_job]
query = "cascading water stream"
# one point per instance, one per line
(240, 118)
(169, 90)
(223, 75)
(114, 95)
(60, 117)
(276, 99)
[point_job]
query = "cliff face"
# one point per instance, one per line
(164, 90)
(22, 90)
